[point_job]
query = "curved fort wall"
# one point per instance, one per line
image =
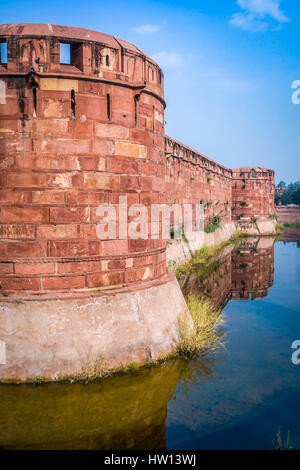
(74, 136)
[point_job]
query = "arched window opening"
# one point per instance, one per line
(107, 62)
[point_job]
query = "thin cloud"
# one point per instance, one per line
(248, 22)
(221, 79)
(233, 85)
(264, 7)
(258, 15)
(168, 59)
(146, 29)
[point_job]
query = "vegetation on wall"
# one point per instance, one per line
(213, 224)
(274, 216)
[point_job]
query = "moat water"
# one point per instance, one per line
(236, 398)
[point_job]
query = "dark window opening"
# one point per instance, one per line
(65, 53)
(73, 104)
(107, 60)
(3, 53)
(159, 76)
(136, 99)
(108, 106)
(34, 99)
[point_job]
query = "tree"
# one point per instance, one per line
(290, 196)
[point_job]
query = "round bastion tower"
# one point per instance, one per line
(81, 124)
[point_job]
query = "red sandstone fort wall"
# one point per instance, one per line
(252, 193)
(59, 162)
(192, 178)
(74, 136)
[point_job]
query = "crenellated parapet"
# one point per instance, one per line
(193, 178)
(92, 54)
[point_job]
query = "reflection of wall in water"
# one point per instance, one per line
(212, 281)
(123, 412)
(244, 273)
(252, 269)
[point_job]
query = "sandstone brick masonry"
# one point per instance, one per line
(193, 178)
(252, 193)
(76, 135)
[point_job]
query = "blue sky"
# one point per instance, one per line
(229, 68)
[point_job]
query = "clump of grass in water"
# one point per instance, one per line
(199, 263)
(92, 371)
(206, 335)
(238, 234)
(280, 443)
(134, 367)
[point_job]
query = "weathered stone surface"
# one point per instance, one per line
(127, 149)
(180, 251)
(266, 227)
(58, 84)
(67, 334)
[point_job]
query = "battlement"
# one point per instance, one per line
(176, 149)
(52, 50)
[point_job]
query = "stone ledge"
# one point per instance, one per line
(57, 338)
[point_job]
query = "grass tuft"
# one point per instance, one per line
(206, 334)
(279, 229)
(92, 371)
(239, 234)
